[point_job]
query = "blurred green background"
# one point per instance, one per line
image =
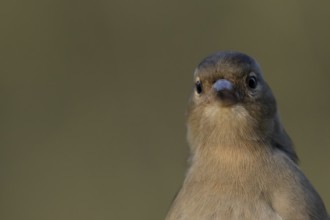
(93, 97)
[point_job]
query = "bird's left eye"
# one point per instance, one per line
(252, 82)
(199, 87)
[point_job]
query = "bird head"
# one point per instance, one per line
(231, 102)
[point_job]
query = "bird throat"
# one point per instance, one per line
(222, 127)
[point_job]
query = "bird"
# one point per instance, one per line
(242, 162)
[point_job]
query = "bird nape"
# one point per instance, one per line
(243, 164)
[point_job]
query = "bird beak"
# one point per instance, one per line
(225, 91)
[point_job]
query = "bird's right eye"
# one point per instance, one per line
(252, 82)
(199, 87)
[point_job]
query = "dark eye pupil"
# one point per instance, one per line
(252, 82)
(199, 87)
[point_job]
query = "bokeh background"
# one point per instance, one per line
(93, 97)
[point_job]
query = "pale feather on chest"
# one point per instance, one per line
(218, 190)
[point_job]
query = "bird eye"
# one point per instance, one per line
(252, 82)
(199, 87)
